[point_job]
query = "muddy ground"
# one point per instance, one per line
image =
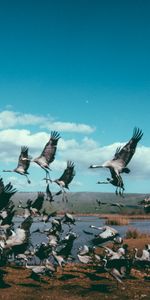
(76, 282)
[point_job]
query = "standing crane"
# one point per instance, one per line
(121, 159)
(23, 163)
(48, 154)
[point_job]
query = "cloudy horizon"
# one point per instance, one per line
(80, 68)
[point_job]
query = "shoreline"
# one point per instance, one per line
(105, 216)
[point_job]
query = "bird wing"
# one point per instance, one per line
(24, 159)
(113, 174)
(6, 192)
(68, 173)
(118, 180)
(38, 203)
(8, 218)
(1, 185)
(125, 153)
(26, 224)
(49, 193)
(51, 146)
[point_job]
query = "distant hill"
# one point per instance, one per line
(85, 202)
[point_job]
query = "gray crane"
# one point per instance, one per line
(66, 177)
(114, 180)
(48, 154)
(23, 163)
(121, 159)
(64, 180)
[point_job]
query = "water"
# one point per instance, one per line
(81, 226)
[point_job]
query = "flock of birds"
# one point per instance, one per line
(146, 203)
(44, 160)
(15, 242)
(117, 165)
(43, 259)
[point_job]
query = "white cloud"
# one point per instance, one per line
(69, 127)
(9, 119)
(83, 152)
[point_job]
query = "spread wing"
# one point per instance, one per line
(6, 192)
(24, 159)
(113, 174)
(26, 224)
(68, 174)
(125, 154)
(38, 203)
(1, 185)
(51, 146)
(49, 193)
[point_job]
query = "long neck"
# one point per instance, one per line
(102, 182)
(27, 266)
(136, 251)
(99, 228)
(96, 166)
(7, 170)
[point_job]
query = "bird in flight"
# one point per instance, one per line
(116, 182)
(67, 176)
(122, 157)
(23, 163)
(49, 196)
(65, 179)
(48, 154)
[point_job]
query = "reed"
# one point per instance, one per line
(117, 220)
(133, 233)
(134, 217)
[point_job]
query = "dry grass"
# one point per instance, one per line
(117, 220)
(133, 233)
(84, 284)
(134, 217)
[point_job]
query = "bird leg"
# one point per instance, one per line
(47, 176)
(103, 182)
(28, 180)
(116, 191)
(121, 190)
(120, 186)
(64, 196)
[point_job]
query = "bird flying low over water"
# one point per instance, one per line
(121, 159)
(37, 205)
(48, 154)
(108, 233)
(23, 163)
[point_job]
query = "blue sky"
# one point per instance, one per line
(82, 68)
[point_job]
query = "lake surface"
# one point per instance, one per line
(81, 226)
